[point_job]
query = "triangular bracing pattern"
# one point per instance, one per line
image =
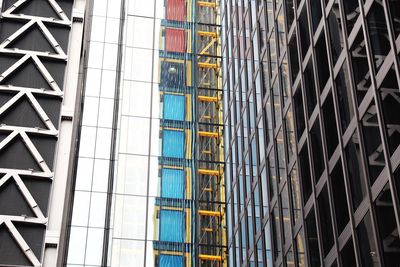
(25, 81)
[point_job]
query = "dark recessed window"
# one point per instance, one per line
(339, 197)
(361, 74)
(343, 89)
(352, 11)
(389, 234)
(293, 57)
(368, 249)
(390, 97)
(299, 112)
(309, 88)
(378, 33)
(331, 132)
(312, 238)
(336, 32)
(305, 173)
(322, 61)
(373, 143)
(304, 32)
(317, 152)
(347, 254)
(354, 167)
(325, 220)
(316, 14)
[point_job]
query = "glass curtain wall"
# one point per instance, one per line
(151, 213)
(312, 142)
(94, 159)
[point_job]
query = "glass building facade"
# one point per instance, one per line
(312, 139)
(148, 183)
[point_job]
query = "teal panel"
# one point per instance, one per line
(173, 144)
(171, 225)
(172, 182)
(174, 107)
(171, 261)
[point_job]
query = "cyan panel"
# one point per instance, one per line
(173, 144)
(171, 226)
(174, 107)
(172, 182)
(171, 261)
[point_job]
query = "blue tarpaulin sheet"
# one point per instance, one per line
(171, 261)
(174, 107)
(171, 226)
(173, 144)
(172, 183)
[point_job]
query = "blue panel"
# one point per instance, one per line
(171, 261)
(172, 183)
(174, 107)
(173, 144)
(171, 225)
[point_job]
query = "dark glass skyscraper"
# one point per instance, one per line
(312, 107)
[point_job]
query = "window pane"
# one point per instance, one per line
(389, 234)
(366, 243)
(310, 88)
(325, 220)
(312, 238)
(373, 143)
(347, 254)
(335, 30)
(305, 173)
(318, 155)
(355, 172)
(343, 88)
(339, 197)
(378, 33)
(300, 242)
(331, 135)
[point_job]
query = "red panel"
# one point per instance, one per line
(176, 10)
(175, 40)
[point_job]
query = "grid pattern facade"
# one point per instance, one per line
(149, 183)
(89, 205)
(312, 143)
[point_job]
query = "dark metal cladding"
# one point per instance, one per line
(33, 56)
(312, 132)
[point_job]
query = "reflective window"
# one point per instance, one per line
(328, 112)
(355, 171)
(378, 31)
(322, 61)
(316, 13)
(304, 32)
(305, 173)
(312, 238)
(339, 196)
(310, 87)
(347, 254)
(343, 88)
(366, 242)
(387, 227)
(373, 143)
(300, 243)
(325, 220)
(335, 30)
(318, 155)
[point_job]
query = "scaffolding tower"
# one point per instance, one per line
(209, 183)
(190, 210)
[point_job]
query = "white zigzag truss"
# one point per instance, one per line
(29, 93)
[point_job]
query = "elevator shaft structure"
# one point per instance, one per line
(210, 185)
(190, 210)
